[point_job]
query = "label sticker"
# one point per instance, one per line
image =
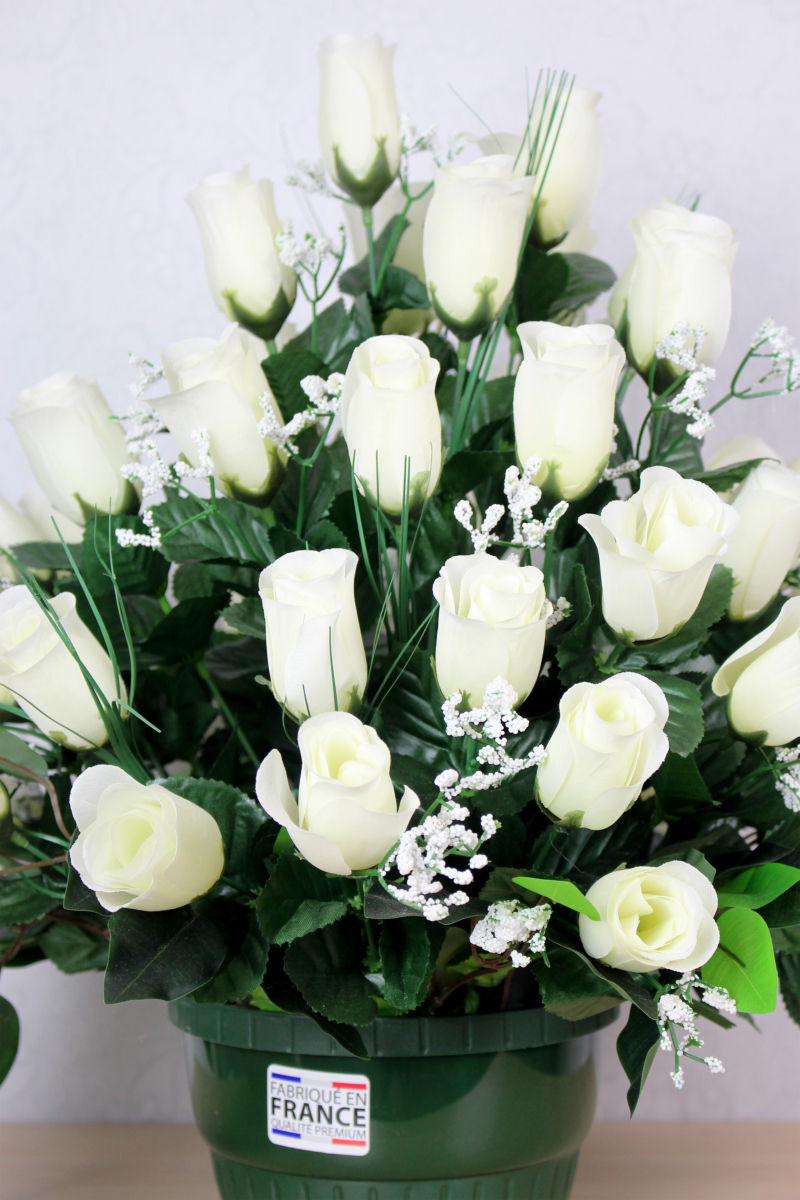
(314, 1110)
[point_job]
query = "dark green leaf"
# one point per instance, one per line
(380, 905)
(78, 897)
(744, 962)
(23, 899)
(680, 787)
(237, 531)
(588, 278)
(298, 899)
(569, 989)
(675, 448)
(725, 478)
(402, 289)
(195, 579)
(138, 569)
(326, 967)
(783, 912)
(247, 617)
(285, 372)
(237, 662)
(684, 726)
(246, 954)
(575, 651)
(281, 992)
(636, 1049)
(408, 772)
(160, 955)
(468, 467)
(185, 630)
(405, 950)
(411, 715)
(756, 886)
(239, 818)
(355, 280)
(542, 280)
(9, 1036)
(332, 332)
(14, 751)
(560, 891)
(46, 556)
(327, 536)
(74, 949)
(442, 350)
(623, 983)
(789, 974)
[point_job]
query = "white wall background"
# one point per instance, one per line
(113, 109)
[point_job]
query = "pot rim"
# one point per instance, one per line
(385, 1037)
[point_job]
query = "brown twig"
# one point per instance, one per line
(33, 866)
(47, 785)
(14, 947)
(66, 919)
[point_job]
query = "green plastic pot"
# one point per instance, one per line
(488, 1107)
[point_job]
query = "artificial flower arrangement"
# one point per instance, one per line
(424, 686)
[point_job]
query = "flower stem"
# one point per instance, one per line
(233, 724)
(366, 214)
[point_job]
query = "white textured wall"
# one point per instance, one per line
(113, 109)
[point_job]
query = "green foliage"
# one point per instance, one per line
(160, 955)
(463, 469)
(326, 968)
(725, 478)
(783, 912)
(560, 891)
(575, 651)
(245, 954)
(789, 975)
(247, 617)
(285, 372)
(756, 887)
(284, 994)
(185, 630)
(622, 983)
(46, 556)
(681, 788)
(569, 989)
(236, 531)
(744, 963)
(555, 285)
(9, 1036)
(299, 899)
(636, 1048)
(408, 953)
(136, 569)
(684, 726)
(16, 753)
(672, 446)
(73, 948)
(238, 816)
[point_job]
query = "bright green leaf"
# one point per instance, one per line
(560, 891)
(757, 886)
(744, 963)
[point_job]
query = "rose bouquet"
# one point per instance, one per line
(422, 684)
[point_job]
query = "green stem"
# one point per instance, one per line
(366, 215)
(301, 502)
(202, 671)
(463, 358)
(271, 346)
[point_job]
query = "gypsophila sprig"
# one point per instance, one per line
(305, 253)
(781, 351)
(522, 495)
(147, 375)
(412, 142)
(205, 468)
(127, 537)
(489, 724)
(675, 1012)
(142, 423)
(681, 347)
(627, 468)
(561, 609)
(788, 782)
(421, 856)
(513, 929)
(324, 398)
(310, 178)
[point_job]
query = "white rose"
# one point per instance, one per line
(408, 253)
(564, 398)
(346, 817)
(312, 629)
(652, 918)
(767, 542)
(74, 446)
(492, 622)
(681, 272)
(141, 846)
(740, 449)
(216, 386)
(44, 678)
(573, 174)
(41, 514)
(762, 681)
(15, 530)
(609, 739)
(472, 239)
(357, 119)
(389, 415)
(238, 226)
(657, 550)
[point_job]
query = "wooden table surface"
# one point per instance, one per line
(639, 1161)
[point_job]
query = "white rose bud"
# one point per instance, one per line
(472, 239)
(564, 398)
(573, 174)
(740, 449)
(357, 119)
(390, 415)
(141, 846)
(238, 226)
(609, 739)
(492, 622)
(346, 817)
(15, 530)
(681, 272)
(652, 918)
(313, 631)
(216, 385)
(767, 542)
(40, 513)
(74, 446)
(657, 550)
(762, 682)
(408, 253)
(44, 678)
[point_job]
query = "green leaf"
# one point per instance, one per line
(542, 280)
(246, 954)
(195, 579)
(332, 324)
(236, 530)
(355, 280)
(684, 726)
(326, 967)
(408, 772)
(238, 816)
(380, 905)
(575, 651)
(411, 714)
(757, 886)
(621, 981)
(23, 900)
(783, 912)
(160, 955)
(675, 447)
(74, 949)
(560, 891)
(725, 478)
(327, 536)
(680, 787)
(405, 950)
(285, 372)
(15, 752)
(789, 974)
(9, 1036)
(78, 897)
(744, 963)
(443, 351)
(285, 996)
(298, 899)
(463, 470)
(46, 556)
(247, 617)
(186, 630)
(138, 570)
(402, 289)
(569, 989)
(588, 278)
(636, 1049)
